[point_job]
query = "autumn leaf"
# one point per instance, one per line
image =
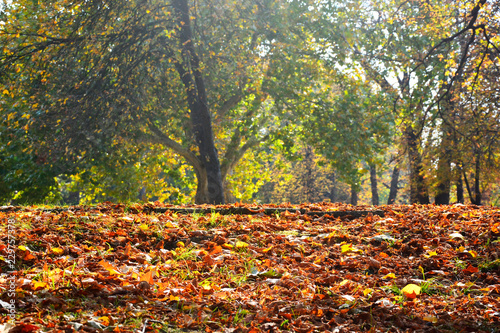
(348, 248)
(282, 277)
(143, 227)
(39, 285)
(112, 270)
(367, 291)
(57, 250)
(411, 291)
(148, 277)
(471, 269)
(105, 320)
(241, 245)
(431, 319)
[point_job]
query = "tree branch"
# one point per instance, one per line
(159, 137)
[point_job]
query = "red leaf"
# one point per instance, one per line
(22, 328)
(471, 269)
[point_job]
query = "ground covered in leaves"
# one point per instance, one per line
(131, 269)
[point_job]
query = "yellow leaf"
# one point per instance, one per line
(170, 225)
(39, 285)
(6, 92)
(367, 291)
(411, 290)
(349, 248)
(268, 249)
(389, 276)
(430, 319)
(57, 250)
(143, 227)
(241, 245)
(174, 298)
(105, 320)
(180, 244)
(22, 248)
(430, 254)
(343, 282)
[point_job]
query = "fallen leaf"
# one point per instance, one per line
(241, 245)
(431, 319)
(411, 291)
(148, 277)
(112, 270)
(57, 250)
(471, 269)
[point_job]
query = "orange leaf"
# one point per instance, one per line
(471, 269)
(148, 277)
(28, 256)
(216, 249)
(128, 247)
(109, 267)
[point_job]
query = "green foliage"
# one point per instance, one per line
(94, 94)
(24, 175)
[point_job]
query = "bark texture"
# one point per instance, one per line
(210, 188)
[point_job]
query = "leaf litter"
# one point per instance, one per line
(130, 269)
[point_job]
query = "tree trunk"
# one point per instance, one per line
(460, 188)
(308, 181)
(443, 173)
(354, 196)
(393, 191)
(477, 190)
(210, 189)
(332, 193)
(73, 198)
(373, 181)
(418, 188)
(467, 185)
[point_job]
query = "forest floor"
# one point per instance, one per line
(146, 268)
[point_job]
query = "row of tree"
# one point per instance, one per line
(172, 100)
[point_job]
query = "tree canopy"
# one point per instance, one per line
(96, 88)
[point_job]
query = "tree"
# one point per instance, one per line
(412, 60)
(191, 78)
(468, 120)
(308, 178)
(350, 123)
